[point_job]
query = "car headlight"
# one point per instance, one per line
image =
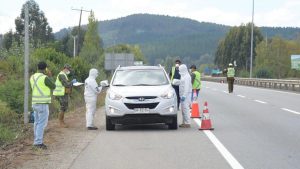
(168, 95)
(114, 96)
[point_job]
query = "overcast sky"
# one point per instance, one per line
(283, 13)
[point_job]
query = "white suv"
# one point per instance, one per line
(140, 95)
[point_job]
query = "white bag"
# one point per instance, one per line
(176, 82)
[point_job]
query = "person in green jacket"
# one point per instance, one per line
(41, 86)
(196, 81)
(230, 77)
(62, 92)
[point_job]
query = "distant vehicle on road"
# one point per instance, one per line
(216, 73)
(140, 95)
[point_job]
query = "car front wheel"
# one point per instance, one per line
(173, 125)
(109, 125)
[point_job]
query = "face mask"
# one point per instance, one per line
(68, 72)
(190, 70)
(177, 65)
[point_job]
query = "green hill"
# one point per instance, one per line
(160, 36)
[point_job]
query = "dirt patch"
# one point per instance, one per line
(64, 144)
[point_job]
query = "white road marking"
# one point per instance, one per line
(241, 96)
(259, 101)
(221, 148)
(207, 87)
(225, 91)
(292, 111)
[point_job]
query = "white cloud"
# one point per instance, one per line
(217, 16)
(284, 16)
(6, 23)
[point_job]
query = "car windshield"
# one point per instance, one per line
(148, 77)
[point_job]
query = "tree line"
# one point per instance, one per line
(271, 57)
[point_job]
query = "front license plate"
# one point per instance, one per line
(141, 110)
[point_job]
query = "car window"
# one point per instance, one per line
(140, 78)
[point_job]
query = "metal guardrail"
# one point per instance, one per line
(293, 85)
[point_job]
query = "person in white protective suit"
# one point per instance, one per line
(91, 90)
(185, 93)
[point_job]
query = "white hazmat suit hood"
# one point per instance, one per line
(185, 93)
(90, 85)
(91, 90)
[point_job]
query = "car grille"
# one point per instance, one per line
(138, 97)
(143, 105)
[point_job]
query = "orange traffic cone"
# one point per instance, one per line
(206, 123)
(195, 106)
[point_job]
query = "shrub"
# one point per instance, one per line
(263, 73)
(13, 94)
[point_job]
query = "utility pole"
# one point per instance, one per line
(74, 48)
(251, 56)
(26, 66)
(78, 33)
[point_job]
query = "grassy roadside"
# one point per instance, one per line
(12, 128)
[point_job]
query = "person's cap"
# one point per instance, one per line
(230, 64)
(67, 66)
(42, 65)
(177, 61)
(193, 67)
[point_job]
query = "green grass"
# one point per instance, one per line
(6, 135)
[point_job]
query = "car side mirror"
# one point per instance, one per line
(104, 83)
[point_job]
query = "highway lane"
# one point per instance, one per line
(149, 147)
(250, 123)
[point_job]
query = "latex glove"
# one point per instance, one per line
(74, 81)
(182, 98)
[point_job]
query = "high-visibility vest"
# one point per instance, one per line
(172, 73)
(230, 72)
(40, 92)
(197, 81)
(59, 89)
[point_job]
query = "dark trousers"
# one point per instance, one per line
(176, 88)
(230, 81)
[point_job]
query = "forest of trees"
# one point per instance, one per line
(164, 37)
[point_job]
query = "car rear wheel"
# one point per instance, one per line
(173, 125)
(109, 125)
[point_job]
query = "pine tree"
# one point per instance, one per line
(92, 50)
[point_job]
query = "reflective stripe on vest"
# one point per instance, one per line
(230, 72)
(172, 73)
(197, 81)
(40, 92)
(59, 89)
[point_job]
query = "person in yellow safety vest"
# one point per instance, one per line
(175, 77)
(62, 92)
(196, 81)
(230, 77)
(41, 86)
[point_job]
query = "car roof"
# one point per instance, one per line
(139, 67)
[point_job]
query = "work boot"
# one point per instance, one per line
(61, 120)
(40, 146)
(185, 125)
(92, 128)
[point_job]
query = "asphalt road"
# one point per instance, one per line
(254, 128)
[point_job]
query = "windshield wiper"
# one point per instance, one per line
(145, 84)
(119, 85)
